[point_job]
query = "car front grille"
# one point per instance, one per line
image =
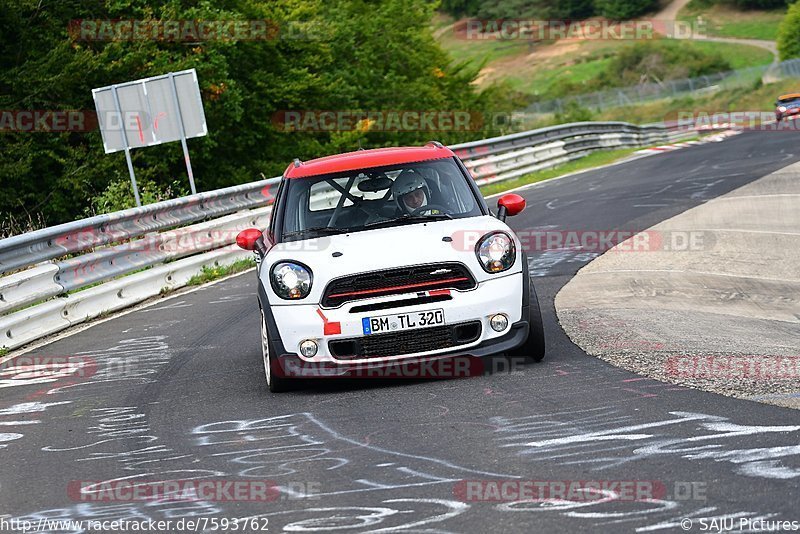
(396, 281)
(405, 342)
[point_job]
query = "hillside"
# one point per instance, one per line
(551, 69)
(726, 21)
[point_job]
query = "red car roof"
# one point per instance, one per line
(364, 159)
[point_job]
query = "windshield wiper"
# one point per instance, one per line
(405, 219)
(322, 230)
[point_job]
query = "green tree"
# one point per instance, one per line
(624, 9)
(329, 55)
(541, 9)
(459, 8)
(761, 4)
(789, 34)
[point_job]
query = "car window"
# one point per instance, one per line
(362, 199)
(324, 196)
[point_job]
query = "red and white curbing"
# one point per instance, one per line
(675, 146)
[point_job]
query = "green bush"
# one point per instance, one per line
(209, 273)
(516, 9)
(118, 195)
(789, 34)
(11, 224)
(652, 61)
(573, 112)
(655, 61)
(700, 4)
(624, 9)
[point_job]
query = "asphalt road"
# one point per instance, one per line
(178, 393)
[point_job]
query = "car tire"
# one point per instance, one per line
(275, 383)
(534, 346)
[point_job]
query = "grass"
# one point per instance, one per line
(725, 21)
(474, 50)
(737, 99)
(537, 70)
(740, 56)
(3, 351)
(207, 274)
(743, 98)
(542, 82)
(595, 159)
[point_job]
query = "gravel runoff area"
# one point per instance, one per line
(708, 299)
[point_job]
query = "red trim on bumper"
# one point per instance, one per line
(395, 288)
(329, 328)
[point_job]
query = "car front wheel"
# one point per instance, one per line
(534, 346)
(275, 382)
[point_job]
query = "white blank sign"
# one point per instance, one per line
(147, 114)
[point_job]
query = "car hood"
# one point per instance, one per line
(330, 257)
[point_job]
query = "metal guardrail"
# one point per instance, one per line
(172, 240)
(69, 238)
(510, 156)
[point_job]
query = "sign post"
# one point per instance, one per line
(127, 150)
(149, 112)
(183, 133)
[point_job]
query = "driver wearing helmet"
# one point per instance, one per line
(410, 192)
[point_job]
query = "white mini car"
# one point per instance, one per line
(383, 257)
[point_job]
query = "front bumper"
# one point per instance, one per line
(294, 323)
(455, 363)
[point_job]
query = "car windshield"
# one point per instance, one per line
(789, 100)
(376, 198)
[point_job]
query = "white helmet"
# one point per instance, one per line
(407, 182)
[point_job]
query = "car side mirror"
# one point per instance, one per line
(509, 205)
(252, 239)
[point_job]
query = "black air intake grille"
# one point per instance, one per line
(405, 342)
(395, 281)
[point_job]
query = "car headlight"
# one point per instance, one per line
(496, 252)
(290, 280)
(782, 109)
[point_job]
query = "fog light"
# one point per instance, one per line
(498, 322)
(308, 348)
